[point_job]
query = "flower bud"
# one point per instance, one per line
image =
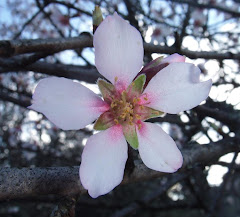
(97, 17)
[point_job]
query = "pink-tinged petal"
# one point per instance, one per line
(118, 50)
(103, 161)
(174, 58)
(157, 149)
(68, 104)
(176, 88)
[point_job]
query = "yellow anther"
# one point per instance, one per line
(134, 100)
(127, 110)
(116, 121)
(123, 115)
(138, 116)
(115, 79)
(131, 118)
(113, 104)
(141, 107)
(138, 100)
(139, 126)
(124, 94)
(145, 98)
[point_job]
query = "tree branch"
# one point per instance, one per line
(80, 73)
(231, 121)
(134, 206)
(16, 47)
(151, 48)
(26, 24)
(21, 102)
(29, 182)
(234, 13)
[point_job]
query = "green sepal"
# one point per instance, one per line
(136, 87)
(147, 113)
(97, 17)
(130, 134)
(104, 122)
(107, 89)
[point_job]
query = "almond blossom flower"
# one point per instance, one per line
(125, 105)
(160, 32)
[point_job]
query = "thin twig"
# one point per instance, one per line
(133, 207)
(217, 199)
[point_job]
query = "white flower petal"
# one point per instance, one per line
(68, 104)
(157, 149)
(118, 50)
(103, 161)
(177, 88)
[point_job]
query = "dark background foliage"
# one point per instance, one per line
(39, 173)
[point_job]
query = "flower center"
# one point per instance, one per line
(124, 110)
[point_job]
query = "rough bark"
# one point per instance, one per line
(31, 182)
